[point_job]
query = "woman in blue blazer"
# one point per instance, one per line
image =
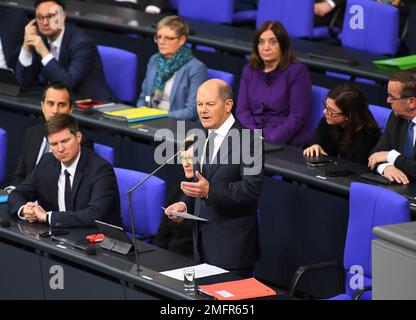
(174, 74)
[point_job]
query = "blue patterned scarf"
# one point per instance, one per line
(166, 68)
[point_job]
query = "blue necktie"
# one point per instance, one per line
(408, 148)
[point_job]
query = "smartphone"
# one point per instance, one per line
(318, 161)
(50, 233)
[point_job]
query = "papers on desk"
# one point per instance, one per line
(135, 114)
(201, 271)
(184, 215)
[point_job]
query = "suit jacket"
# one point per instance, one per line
(230, 237)
(12, 30)
(31, 144)
(183, 97)
(394, 137)
(79, 66)
(94, 192)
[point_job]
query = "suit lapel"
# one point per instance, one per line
(52, 178)
(79, 174)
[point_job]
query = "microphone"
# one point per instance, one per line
(5, 223)
(89, 250)
(189, 142)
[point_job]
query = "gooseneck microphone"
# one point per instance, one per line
(188, 144)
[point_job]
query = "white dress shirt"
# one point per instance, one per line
(167, 92)
(3, 63)
(393, 154)
(25, 57)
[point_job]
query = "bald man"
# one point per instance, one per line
(226, 187)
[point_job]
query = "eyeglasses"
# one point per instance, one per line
(272, 42)
(393, 98)
(158, 38)
(49, 17)
(330, 112)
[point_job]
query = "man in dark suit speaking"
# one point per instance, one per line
(226, 187)
(394, 155)
(61, 52)
(73, 186)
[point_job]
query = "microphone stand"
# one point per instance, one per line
(129, 195)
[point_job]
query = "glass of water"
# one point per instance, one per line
(189, 280)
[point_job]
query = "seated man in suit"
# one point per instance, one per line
(226, 187)
(325, 10)
(394, 154)
(73, 185)
(61, 52)
(12, 22)
(57, 98)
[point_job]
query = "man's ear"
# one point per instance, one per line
(78, 136)
(229, 105)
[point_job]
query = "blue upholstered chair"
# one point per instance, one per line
(147, 201)
(318, 96)
(381, 114)
(105, 152)
(380, 32)
(370, 206)
(3, 154)
(296, 16)
(220, 11)
(226, 76)
(120, 69)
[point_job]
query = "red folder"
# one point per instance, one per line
(237, 290)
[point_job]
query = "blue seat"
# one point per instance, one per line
(318, 96)
(381, 114)
(245, 16)
(147, 201)
(3, 154)
(380, 32)
(120, 69)
(296, 16)
(219, 11)
(370, 206)
(218, 74)
(105, 152)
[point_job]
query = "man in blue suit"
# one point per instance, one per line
(12, 22)
(226, 187)
(73, 185)
(61, 52)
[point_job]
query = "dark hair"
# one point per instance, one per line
(58, 2)
(408, 79)
(58, 85)
(353, 104)
(60, 122)
(286, 57)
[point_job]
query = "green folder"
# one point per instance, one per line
(396, 64)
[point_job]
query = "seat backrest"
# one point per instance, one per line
(296, 16)
(318, 96)
(370, 206)
(381, 114)
(379, 31)
(3, 154)
(120, 70)
(220, 11)
(147, 200)
(218, 74)
(105, 152)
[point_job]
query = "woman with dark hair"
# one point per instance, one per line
(275, 89)
(348, 129)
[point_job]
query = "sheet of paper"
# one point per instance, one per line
(184, 215)
(201, 271)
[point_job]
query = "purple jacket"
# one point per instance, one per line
(277, 102)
